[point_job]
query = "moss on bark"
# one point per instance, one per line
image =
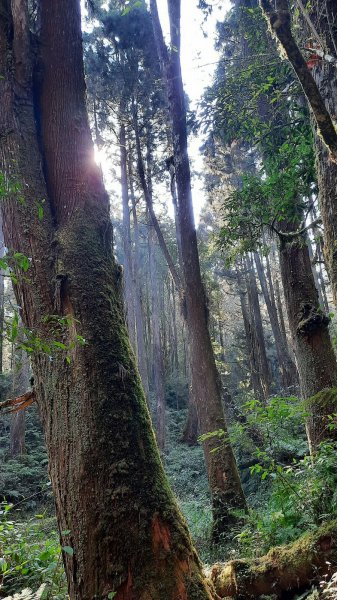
(283, 571)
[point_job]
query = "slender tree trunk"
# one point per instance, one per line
(129, 291)
(175, 362)
(138, 296)
(18, 419)
(157, 347)
(272, 269)
(113, 503)
(256, 324)
(149, 204)
(316, 360)
(320, 258)
(251, 343)
(222, 471)
(286, 364)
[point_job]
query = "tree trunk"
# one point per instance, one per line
(275, 290)
(129, 291)
(325, 75)
(175, 355)
(18, 419)
(157, 348)
(222, 471)
(138, 296)
(319, 86)
(251, 343)
(113, 503)
(286, 364)
(315, 274)
(309, 328)
(256, 324)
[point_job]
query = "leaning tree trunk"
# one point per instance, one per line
(222, 471)
(316, 360)
(113, 503)
(325, 75)
(319, 86)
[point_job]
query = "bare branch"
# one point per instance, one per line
(15, 404)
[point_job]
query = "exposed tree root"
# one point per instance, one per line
(15, 404)
(283, 571)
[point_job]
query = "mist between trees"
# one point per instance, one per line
(168, 394)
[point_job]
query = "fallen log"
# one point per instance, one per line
(282, 572)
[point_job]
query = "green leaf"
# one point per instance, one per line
(111, 595)
(68, 550)
(131, 7)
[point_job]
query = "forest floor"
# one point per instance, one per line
(31, 554)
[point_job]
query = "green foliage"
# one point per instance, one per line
(268, 199)
(299, 491)
(186, 471)
(30, 554)
(25, 477)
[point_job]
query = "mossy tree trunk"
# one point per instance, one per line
(113, 503)
(315, 356)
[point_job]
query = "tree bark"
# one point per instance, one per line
(222, 471)
(286, 364)
(18, 419)
(129, 291)
(256, 324)
(138, 296)
(157, 348)
(325, 75)
(251, 343)
(320, 90)
(279, 19)
(113, 503)
(316, 360)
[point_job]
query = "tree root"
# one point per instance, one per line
(283, 571)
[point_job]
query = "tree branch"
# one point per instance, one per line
(15, 404)
(279, 20)
(292, 234)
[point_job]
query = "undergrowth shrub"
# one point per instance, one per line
(300, 492)
(25, 476)
(30, 554)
